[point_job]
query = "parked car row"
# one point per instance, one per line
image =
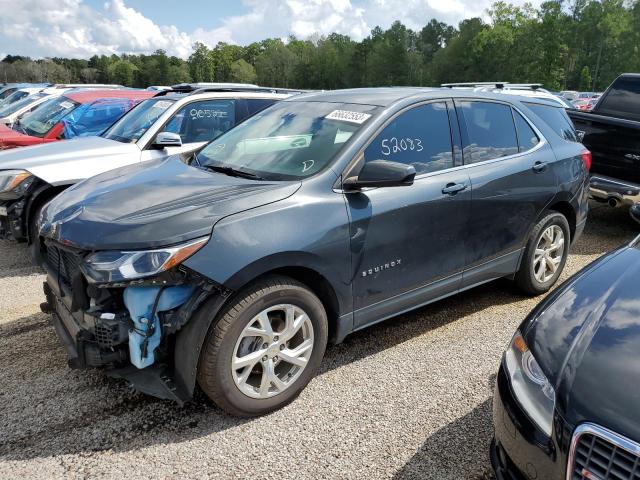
(222, 236)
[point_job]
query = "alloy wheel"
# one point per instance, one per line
(272, 351)
(548, 254)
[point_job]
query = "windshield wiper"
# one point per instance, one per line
(232, 172)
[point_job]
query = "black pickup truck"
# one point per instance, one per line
(612, 133)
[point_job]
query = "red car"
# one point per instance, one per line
(76, 113)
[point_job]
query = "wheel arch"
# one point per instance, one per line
(566, 209)
(45, 193)
(190, 340)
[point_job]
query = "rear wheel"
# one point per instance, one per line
(545, 254)
(265, 347)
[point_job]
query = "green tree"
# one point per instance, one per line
(201, 64)
(243, 72)
(122, 72)
(585, 79)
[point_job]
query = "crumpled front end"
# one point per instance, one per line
(126, 328)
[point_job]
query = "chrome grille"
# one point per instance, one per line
(599, 454)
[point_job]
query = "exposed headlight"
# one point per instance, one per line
(10, 179)
(117, 266)
(530, 386)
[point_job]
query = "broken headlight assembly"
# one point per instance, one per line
(14, 181)
(118, 266)
(530, 386)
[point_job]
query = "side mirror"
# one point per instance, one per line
(635, 212)
(381, 173)
(167, 139)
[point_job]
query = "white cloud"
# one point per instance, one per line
(71, 28)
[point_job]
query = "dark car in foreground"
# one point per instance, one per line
(319, 216)
(567, 398)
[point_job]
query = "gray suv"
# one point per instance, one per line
(327, 212)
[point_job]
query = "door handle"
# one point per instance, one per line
(453, 188)
(539, 167)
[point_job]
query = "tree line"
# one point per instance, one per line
(563, 44)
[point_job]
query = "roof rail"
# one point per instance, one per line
(499, 85)
(474, 84)
(195, 88)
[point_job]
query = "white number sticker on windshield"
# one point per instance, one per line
(66, 105)
(395, 145)
(163, 104)
(348, 116)
(198, 113)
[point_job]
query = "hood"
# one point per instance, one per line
(156, 204)
(62, 163)
(10, 138)
(588, 341)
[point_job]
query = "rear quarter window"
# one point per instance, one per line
(557, 119)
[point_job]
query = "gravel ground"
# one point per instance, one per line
(409, 398)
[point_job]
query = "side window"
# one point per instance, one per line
(527, 138)
(557, 119)
(203, 121)
(490, 130)
(256, 105)
(420, 137)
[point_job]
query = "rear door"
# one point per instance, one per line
(408, 242)
(508, 163)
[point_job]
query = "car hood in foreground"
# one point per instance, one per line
(156, 204)
(68, 161)
(588, 340)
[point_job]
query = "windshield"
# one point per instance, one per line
(134, 124)
(40, 121)
(288, 141)
(93, 118)
(5, 93)
(7, 110)
(14, 97)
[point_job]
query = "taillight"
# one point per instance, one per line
(586, 158)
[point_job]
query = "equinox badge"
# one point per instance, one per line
(380, 268)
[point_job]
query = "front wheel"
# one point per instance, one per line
(545, 255)
(265, 347)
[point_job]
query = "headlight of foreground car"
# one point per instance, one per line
(10, 179)
(530, 386)
(116, 266)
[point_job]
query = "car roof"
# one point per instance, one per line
(213, 95)
(387, 96)
(86, 96)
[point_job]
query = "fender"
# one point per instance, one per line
(189, 342)
(43, 191)
(340, 291)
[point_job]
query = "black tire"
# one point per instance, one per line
(525, 278)
(214, 369)
(35, 247)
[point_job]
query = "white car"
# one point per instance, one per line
(533, 90)
(167, 124)
(34, 97)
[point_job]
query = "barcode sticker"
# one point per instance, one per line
(348, 116)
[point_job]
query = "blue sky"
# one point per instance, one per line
(200, 13)
(82, 28)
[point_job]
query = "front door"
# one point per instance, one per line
(408, 242)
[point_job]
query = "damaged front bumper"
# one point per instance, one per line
(128, 331)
